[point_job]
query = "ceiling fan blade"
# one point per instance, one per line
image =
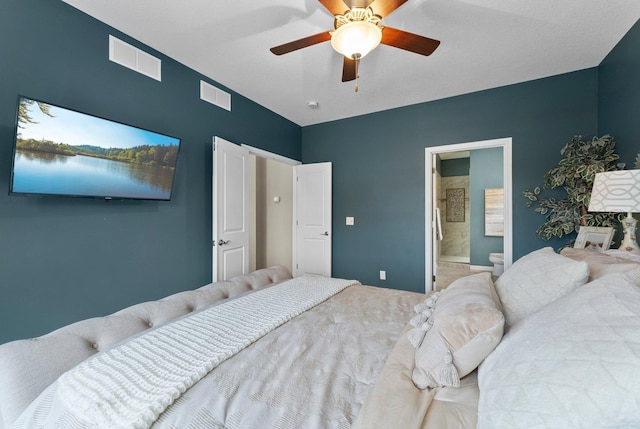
(408, 41)
(383, 8)
(336, 7)
(348, 69)
(301, 43)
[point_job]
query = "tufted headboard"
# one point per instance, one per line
(27, 367)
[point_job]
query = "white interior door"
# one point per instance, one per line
(312, 219)
(230, 210)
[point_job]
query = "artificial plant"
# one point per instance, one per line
(575, 172)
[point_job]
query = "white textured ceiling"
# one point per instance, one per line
(484, 44)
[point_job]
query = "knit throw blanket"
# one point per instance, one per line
(129, 385)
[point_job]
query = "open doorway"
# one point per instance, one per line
(255, 202)
(457, 189)
(453, 214)
(255, 198)
(270, 213)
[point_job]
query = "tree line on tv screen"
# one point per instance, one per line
(158, 155)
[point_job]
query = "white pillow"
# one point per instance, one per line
(573, 364)
(465, 325)
(537, 279)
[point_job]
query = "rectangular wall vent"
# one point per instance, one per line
(133, 58)
(215, 95)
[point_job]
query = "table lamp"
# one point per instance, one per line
(619, 191)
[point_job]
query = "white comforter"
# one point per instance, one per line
(312, 372)
(573, 364)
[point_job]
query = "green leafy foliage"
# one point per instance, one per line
(44, 146)
(23, 111)
(159, 155)
(575, 173)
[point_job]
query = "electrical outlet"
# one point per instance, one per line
(383, 275)
(350, 220)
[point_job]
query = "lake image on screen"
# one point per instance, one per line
(62, 152)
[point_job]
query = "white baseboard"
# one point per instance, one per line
(480, 268)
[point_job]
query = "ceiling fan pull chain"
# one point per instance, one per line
(357, 57)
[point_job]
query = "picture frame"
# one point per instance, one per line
(494, 212)
(594, 238)
(455, 204)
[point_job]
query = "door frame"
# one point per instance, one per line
(270, 155)
(429, 209)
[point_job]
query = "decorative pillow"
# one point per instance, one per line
(537, 279)
(464, 325)
(601, 264)
(573, 364)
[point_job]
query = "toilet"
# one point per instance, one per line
(498, 263)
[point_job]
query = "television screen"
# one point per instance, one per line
(59, 151)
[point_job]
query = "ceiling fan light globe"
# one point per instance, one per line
(356, 38)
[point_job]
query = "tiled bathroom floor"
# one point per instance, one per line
(448, 272)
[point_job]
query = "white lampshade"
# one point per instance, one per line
(616, 191)
(356, 39)
(619, 191)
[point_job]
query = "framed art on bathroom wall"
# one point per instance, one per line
(455, 204)
(494, 212)
(594, 238)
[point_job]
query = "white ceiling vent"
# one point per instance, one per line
(215, 95)
(131, 57)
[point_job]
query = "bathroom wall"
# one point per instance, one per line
(486, 173)
(455, 241)
(455, 244)
(466, 241)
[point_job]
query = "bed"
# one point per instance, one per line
(554, 342)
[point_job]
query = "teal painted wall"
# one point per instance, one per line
(454, 167)
(378, 167)
(486, 167)
(619, 96)
(66, 259)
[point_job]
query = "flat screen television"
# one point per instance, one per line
(62, 152)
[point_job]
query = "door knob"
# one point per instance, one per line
(222, 242)
(325, 233)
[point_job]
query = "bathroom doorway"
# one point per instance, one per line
(452, 245)
(452, 189)
(460, 206)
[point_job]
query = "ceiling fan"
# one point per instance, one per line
(358, 30)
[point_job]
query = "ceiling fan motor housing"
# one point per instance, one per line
(357, 32)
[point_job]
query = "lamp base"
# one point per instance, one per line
(629, 243)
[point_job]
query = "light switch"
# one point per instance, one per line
(383, 275)
(350, 220)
